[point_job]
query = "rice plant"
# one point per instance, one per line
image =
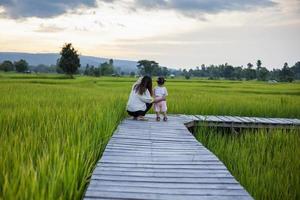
(53, 130)
(266, 163)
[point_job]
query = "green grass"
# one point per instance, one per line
(53, 130)
(267, 164)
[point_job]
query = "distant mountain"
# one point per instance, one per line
(35, 59)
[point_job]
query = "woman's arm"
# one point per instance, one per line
(146, 98)
(159, 100)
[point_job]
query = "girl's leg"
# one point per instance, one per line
(157, 111)
(164, 109)
(157, 116)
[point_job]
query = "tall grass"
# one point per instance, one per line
(53, 130)
(267, 164)
(51, 138)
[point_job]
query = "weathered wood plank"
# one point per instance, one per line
(245, 122)
(95, 184)
(157, 196)
(161, 160)
(234, 119)
(177, 191)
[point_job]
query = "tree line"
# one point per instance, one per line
(69, 63)
(226, 71)
(19, 66)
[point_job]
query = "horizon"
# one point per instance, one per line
(127, 60)
(174, 33)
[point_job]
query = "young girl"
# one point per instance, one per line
(160, 92)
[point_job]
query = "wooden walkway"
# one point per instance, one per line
(160, 160)
(240, 122)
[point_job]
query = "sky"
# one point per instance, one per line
(175, 33)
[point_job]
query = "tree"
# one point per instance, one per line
(250, 73)
(106, 68)
(250, 65)
(296, 70)
(97, 71)
(262, 74)
(165, 72)
(258, 64)
(41, 68)
(111, 62)
(238, 73)
(132, 74)
(7, 66)
(69, 61)
(21, 65)
(147, 67)
(228, 71)
(286, 74)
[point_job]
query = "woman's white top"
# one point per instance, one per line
(138, 102)
(160, 91)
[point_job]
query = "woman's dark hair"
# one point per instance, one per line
(161, 80)
(145, 84)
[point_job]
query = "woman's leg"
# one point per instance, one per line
(140, 113)
(133, 114)
(148, 107)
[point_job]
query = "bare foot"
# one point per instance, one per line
(142, 118)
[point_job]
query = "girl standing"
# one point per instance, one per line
(160, 92)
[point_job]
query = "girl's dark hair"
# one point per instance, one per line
(145, 84)
(161, 80)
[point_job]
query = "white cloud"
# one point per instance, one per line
(113, 30)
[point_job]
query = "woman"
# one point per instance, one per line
(140, 98)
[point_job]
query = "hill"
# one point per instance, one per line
(35, 59)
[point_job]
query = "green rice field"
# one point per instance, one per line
(53, 130)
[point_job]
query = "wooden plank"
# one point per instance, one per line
(96, 184)
(265, 120)
(201, 117)
(144, 160)
(161, 166)
(249, 119)
(234, 119)
(164, 179)
(177, 191)
(246, 122)
(295, 121)
(208, 118)
(224, 119)
(164, 174)
(282, 121)
(155, 196)
(243, 119)
(211, 118)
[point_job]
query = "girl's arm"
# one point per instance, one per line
(166, 92)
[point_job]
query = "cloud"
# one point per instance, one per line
(198, 7)
(42, 8)
(49, 28)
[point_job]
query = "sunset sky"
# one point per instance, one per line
(175, 33)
